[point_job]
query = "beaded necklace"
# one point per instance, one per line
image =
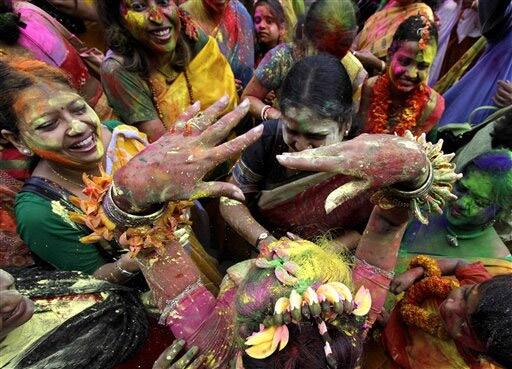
(169, 81)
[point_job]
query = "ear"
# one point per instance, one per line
(15, 141)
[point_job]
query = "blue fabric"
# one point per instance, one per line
(478, 86)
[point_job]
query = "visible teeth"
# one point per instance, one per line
(83, 143)
(163, 32)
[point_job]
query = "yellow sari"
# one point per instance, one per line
(127, 142)
(379, 29)
(207, 78)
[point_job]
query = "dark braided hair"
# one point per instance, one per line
(492, 319)
(305, 349)
(320, 83)
(99, 337)
(410, 30)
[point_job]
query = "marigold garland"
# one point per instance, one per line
(429, 264)
(149, 238)
(432, 286)
(380, 106)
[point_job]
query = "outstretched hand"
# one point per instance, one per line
(170, 359)
(373, 161)
(172, 168)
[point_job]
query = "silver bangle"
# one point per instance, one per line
(422, 191)
(124, 272)
(124, 219)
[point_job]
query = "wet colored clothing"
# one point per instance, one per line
(43, 37)
(45, 227)
(276, 64)
(435, 238)
(208, 78)
(411, 348)
(287, 200)
(235, 38)
(379, 29)
(479, 84)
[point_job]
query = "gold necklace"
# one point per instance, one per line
(81, 185)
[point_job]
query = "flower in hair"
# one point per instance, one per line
(324, 305)
(283, 269)
(265, 342)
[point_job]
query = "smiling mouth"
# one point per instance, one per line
(162, 34)
(85, 145)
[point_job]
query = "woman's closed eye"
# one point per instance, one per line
(47, 125)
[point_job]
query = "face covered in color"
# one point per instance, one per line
(474, 206)
(154, 23)
(268, 31)
(455, 312)
(57, 125)
(409, 65)
(304, 129)
(15, 309)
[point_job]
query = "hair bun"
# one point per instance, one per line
(9, 27)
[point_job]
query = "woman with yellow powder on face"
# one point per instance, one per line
(159, 64)
(400, 99)
(44, 118)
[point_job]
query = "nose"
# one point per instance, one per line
(155, 15)
(411, 73)
(76, 127)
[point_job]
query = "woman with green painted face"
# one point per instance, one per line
(466, 231)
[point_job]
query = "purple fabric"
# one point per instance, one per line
(494, 162)
(478, 86)
(448, 15)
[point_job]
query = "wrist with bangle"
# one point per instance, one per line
(124, 219)
(122, 271)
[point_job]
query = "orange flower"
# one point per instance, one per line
(431, 287)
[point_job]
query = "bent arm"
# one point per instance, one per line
(377, 253)
(256, 93)
(238, 216)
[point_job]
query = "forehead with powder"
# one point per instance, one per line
(41, 99)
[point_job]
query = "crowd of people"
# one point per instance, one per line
(272, 184)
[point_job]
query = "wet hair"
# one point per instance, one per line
(331, 25)
(320, 83)
(101, 336)
(502, 133)
(258, 293)
(305, 349)
(410, 30)
(9, 23)
(497, 164)
(275, 8)
(136, 57)
(17, 75)
(492, 319)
